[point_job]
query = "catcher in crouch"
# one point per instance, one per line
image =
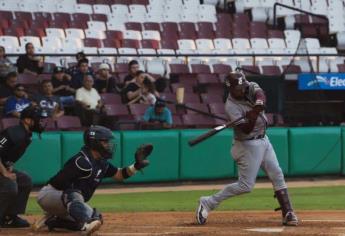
(64, 199)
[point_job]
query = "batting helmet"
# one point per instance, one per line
(236, 79)
(36, 114)
(93, 137)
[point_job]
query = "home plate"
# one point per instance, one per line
(267, 230)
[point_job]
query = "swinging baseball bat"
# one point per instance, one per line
(212, 132)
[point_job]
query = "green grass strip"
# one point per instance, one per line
(314, 198)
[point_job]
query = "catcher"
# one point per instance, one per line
(64, 199)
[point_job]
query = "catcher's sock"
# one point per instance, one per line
(284, 201)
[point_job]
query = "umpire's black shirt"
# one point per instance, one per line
(13, 143)
(83, 173)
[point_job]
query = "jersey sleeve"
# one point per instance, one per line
(233, 112)
(5, 143)
(111, 171)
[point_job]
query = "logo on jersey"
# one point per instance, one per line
(2, 142)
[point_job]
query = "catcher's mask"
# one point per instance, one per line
(36, 114)
(100, 139)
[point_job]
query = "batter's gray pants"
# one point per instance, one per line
(14, 194)
(50, 200)
(249, 156)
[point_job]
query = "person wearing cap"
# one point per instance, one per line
(158, 116)
(63, 87)
(104, 82)
(75, 69)
(15, 186)
(78, 76)
(16, 104)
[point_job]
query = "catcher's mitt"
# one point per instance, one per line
(141, 156)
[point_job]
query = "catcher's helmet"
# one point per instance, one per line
(36, 114)
(93, 137)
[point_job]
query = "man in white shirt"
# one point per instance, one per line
(89, 104)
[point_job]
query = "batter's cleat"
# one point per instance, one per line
(290, 219)
(14, 222)
(91, 227)
(41, 223)
(201, 212)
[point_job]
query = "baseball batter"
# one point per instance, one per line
(64, 199)
(251, 149)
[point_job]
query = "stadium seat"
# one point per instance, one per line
(8, 122)
(207, 13)
(198, 106)
(68, 123)
(75, 33)
(197, 121)
(205, 30)
(101, 9)
(211, 98)
(110, 98)
(187, 31)
(116, 110)
(83, 8)
(200, 69)
(271, 70)
(138, 109)
(10, 43)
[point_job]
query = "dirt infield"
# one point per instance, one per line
(220, 223)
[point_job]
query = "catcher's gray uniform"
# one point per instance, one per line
(250, 152)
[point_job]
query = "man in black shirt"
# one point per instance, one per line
(7, 89)
(78, 76)
(65, 198)
(133, 68)
(104, 82)
(74, 69)
(63, 86)
(28, 63)
(15, 186)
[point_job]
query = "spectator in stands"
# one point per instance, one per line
(89, 104)
(78, 76)
(74, 69)
(149, 92)
(158, 116)
(17, 103)
(29, 63)
(49, 103)
(6, 66)
(104, 82)
(7, 89)
(63, 86)
(133, 68)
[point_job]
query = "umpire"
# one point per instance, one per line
(15, 186)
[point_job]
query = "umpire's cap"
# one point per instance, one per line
(36, 114)
(93, 137)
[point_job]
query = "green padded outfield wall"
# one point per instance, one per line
(343, 150)
(164, 160)
(280, 141)
(73, 141)
(210, 159)
(315, 151)
(42, 159)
